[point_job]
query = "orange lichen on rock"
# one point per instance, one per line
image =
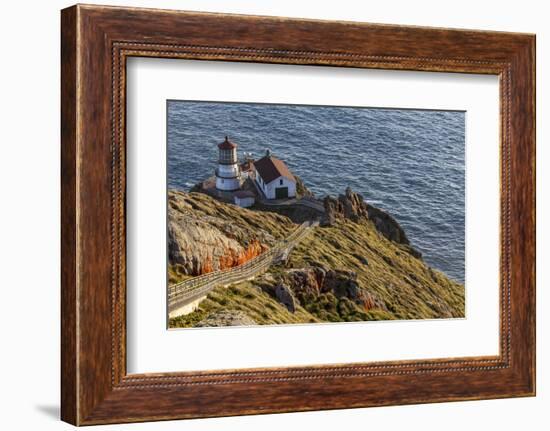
(231, 258)
(254, 249)
(207, 265)
(228, 259)
(369, 303)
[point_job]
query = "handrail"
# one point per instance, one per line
(185, 291)
(304, 201)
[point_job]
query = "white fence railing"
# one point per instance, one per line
(183, 293)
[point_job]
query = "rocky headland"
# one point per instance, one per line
(206, 235)
(357, 265)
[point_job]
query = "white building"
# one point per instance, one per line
(244, 198)
(274, 178)
(228, 174)
(247, 167)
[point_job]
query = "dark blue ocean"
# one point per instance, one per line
(408, 162)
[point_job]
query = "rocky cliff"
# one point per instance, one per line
(358, 266)
(206, 235)
(352, 206)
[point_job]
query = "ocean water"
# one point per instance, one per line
(408, 162)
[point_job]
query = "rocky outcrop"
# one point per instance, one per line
(350, 206)
(285, 296)
(301, 189)
(391, 229)
(197, 248)
(387, 225)
(306, 284)
(226, 318)
(205, 235)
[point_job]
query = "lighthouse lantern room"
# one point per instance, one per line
(228, 173)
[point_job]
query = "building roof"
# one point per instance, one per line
(271, 168)
(241, 194)
(227, 144)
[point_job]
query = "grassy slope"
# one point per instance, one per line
(261, 307)
(408, 288)
(199, 206)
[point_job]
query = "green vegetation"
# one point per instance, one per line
(371, 277)
(259, 306)
(406, 285)
(205, 208)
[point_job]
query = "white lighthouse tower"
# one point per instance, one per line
(228, 175)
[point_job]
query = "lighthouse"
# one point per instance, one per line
(228, 175)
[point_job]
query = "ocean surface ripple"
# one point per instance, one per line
(408, 162)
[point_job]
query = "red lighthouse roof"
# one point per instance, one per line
(227, 144)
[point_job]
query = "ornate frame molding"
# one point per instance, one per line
(96, 41)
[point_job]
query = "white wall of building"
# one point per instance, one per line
(244, 202)
(269, 188)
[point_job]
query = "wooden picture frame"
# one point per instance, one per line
(95, 43)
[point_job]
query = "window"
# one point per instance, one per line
(281, 182)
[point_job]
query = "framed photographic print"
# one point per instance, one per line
(322, 214)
